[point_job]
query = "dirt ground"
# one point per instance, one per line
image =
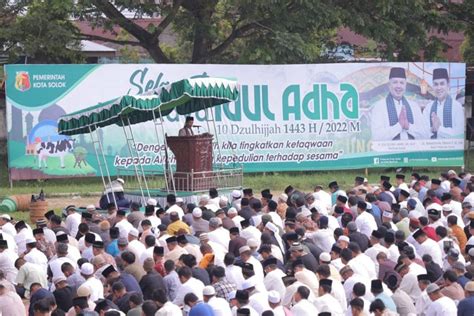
(78, 201)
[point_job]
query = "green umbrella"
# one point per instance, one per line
(186, 96)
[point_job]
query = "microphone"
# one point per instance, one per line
(197, 126)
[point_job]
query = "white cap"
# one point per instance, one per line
(134, 232)
(344, 238)
(447, 208)
(387, 214)
(29, 240)
(232, 210)
(224, 199)
(252, 243)
(121, 180)
(197, 212)
(274, 297)
(375, 188)
(250, 282)
(283, 197)
(433, 287)
(257, 219)
(152, 202)
(179, 200)
(236, 194)
(87, 269)
(83, 290)
(471, 252)
(243, 249)
(272, 227)
(452, 172)
(6, 216)
(209, 290)
(305, 212)
(59, 279)
(325, 257)
(90, 207)
(205, 197)
(434, 206)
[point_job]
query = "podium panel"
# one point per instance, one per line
(193, 158)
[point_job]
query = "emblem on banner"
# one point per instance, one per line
(22, 81)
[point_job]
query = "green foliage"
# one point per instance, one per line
(40, 30)
(276, 31)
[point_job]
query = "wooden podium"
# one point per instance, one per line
(193, 160)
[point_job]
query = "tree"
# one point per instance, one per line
(41, 30)
(464, 15)
(274, 31)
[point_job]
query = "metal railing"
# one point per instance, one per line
(220, 178)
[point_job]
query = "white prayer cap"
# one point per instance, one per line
(179, 200)
(243, 248)
(433, 287)
(434, 206)
(6, 216)
(375, 189)
(90, 207)
(197, 212)
(133, 232)
(205, 197)
(152, 202)
(387, 214)
(224, 199)
(58, 279)
(121, 180)
(252, 243)
(344, 238)
(283, 197)
(236, 194)
(272, 227)
(451, 172)
(325, 257)
(83, 290)
(274, 297)
(232, 210)
(30, 240)
(87, 268)
(447, 208)
(249, 283)
(257, 220)
(209, 290)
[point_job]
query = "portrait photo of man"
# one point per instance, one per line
(395, 117)
(445, 116)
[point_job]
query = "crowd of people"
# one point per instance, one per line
(404, 247)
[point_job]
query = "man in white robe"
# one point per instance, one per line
(398, 118)
(445, 116)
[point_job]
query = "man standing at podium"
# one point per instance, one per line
(187, 130)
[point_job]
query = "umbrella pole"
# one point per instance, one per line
(131, 155)
(138, 155)
(167, 164)
(164, 162)
(99, 162)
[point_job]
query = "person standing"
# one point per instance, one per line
(445, 116)
(187, 130)
(394, 115)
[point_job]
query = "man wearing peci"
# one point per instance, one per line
(394, 118)
(445, 116)
(187, 130)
